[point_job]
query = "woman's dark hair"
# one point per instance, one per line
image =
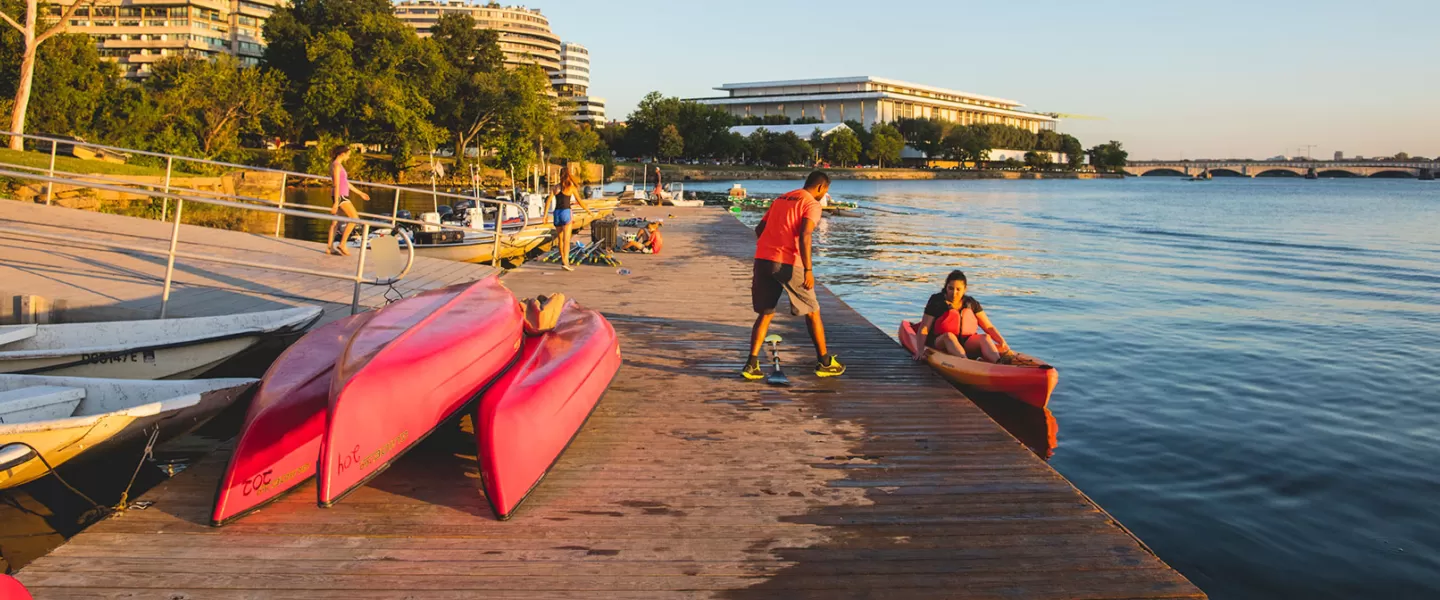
(338, 150)
(956, 275)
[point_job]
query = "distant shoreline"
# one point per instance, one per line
(629, 171)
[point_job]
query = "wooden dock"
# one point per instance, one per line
(95, 283)
(687, 482)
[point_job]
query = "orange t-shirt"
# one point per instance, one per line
(780, 242)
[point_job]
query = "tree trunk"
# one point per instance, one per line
(27, 77)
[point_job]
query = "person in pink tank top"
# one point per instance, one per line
(341, 199)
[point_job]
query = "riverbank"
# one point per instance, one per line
(632, 171)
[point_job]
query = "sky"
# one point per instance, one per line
(1217, 79)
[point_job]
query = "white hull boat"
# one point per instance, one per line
(154, 349)
(61, 418)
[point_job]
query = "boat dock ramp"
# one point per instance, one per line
(687, 482)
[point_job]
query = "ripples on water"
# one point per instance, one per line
(1250, 369)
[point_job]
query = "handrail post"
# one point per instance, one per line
(499, 224)
(360, 269)
(280, 217)
(170, 259)
(50, 187)
(165, 212)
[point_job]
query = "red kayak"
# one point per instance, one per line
(280, 440)
(527, 419)
(1030, 380)
(12, 590)
(408, 369)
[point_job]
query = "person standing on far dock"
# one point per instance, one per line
(783, 265)
(341, 198)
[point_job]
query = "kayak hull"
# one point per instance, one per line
(410, 367)
(279, 442)
(1031, 384)
(529, 417)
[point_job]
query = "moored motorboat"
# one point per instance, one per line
(62, 418)
(152, 349)
(532, 412)
(1030, 380)
(410, 367)
(279, 442)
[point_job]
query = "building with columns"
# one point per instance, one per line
(138, 34)
(871, 100)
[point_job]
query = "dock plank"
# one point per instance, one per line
(687, 482)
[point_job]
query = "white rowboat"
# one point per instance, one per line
(154, 349)
(64, 417)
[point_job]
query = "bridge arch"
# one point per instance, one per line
(1393, 175)
(1338, 174)
(1226, 173)
(1163, 172)
(1278, 173)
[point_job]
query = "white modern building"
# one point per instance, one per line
(572, 82)
(871, 100)
(136, 35)
(525, 35)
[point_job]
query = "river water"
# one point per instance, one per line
(1249, 368)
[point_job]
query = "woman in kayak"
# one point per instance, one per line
(341, 198)
(954, 322)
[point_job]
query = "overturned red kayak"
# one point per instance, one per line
(532, 412)
(280, 440)
(408, 369)
(10, 589)
(1030, 382)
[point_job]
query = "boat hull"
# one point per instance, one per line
(64, 440)
(1031, 384)
(279, 442)
(158, 349)
(529, 416)
(409, 368)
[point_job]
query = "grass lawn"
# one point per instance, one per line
(70, 164)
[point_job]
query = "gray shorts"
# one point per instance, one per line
(770, 279)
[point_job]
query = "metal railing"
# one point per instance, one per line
(286, 178)
(358, 277)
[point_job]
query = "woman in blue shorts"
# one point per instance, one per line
(569, 192)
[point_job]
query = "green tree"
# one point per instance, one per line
(357, 72)
(1109, 156)
(72, 83)
(1038, 159)
(210, 104)
(1402, 156)
(730, 146)
(474, 94)
(843, 148)
(579, 143)
(671, 144)
(1073, 150)
(970, 144)
(32, 33)
(807, 121)
(651, 116)
(925, 135)
(885, 144)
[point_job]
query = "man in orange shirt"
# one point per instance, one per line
(783, 265)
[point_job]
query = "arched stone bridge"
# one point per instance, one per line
(1406, 169)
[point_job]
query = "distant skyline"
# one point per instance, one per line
(1219, 80)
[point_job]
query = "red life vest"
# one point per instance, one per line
(962, 323)
(655, 242)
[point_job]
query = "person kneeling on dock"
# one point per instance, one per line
(952, 323)
(782, 250)
(647, 240)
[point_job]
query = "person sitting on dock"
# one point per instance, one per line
(341, 198)
(646, 240)
(569, 192)
(953, 323)
(782, 250)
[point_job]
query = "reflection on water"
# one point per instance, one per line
(1034, 427)
(1249, 367)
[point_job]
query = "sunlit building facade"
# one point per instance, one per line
(136, 35)
(525, 35)
(572, 83)
(871, 100)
